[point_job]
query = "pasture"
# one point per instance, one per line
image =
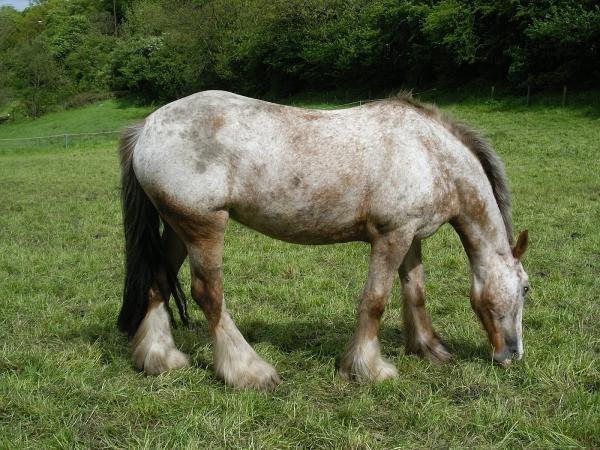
(66, 379)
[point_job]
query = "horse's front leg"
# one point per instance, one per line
(362, 360)
(419, 334)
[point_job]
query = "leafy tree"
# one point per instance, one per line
(38, 77)
(166, 49)
(563, 44)
(162, 52)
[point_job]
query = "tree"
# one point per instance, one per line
(38, 77)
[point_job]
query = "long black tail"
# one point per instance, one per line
(144, 252)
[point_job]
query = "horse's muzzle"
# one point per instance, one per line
(510, 351)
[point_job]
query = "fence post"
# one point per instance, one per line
(493, 88)
(66, 141)
(528, 93)
(564, 99)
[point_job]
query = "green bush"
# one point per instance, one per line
(165, 49)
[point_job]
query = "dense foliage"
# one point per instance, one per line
(58, 50)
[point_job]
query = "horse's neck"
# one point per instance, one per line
(483, 234)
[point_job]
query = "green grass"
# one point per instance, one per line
(65, 375)
(105, 116)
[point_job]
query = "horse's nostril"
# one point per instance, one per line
(514, 352)
(512, 345)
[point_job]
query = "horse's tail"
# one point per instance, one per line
(144, 252)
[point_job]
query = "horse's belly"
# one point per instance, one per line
(300, 227)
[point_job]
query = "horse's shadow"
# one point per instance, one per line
(317, 338)
(326, 340)
(322, 340)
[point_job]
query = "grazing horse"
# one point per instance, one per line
(389, 173)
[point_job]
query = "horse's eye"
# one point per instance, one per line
(525, 290)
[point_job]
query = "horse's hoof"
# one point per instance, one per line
(432, 350)
(256, 374)
(438, 353)
(385, 371)
(157, 361)
(360, 373)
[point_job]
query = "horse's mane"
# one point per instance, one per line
(490, 161)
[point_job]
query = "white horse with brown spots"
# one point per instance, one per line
(389, 173)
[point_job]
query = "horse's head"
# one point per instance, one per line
(498, 301)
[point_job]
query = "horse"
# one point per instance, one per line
(388, 173)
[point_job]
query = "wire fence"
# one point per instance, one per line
(80, 140)
(64, 140)
(83, 140)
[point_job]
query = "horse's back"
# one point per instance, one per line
(296, 174)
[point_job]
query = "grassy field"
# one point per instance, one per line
(81, 125)
(65, 375)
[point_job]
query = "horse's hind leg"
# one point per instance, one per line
(420, 337)
(362, 360)
(153, 347)
(234, 359)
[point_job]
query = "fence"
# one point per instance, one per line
(65, 140)
(82, 140)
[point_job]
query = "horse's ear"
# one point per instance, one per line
(521, 244)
